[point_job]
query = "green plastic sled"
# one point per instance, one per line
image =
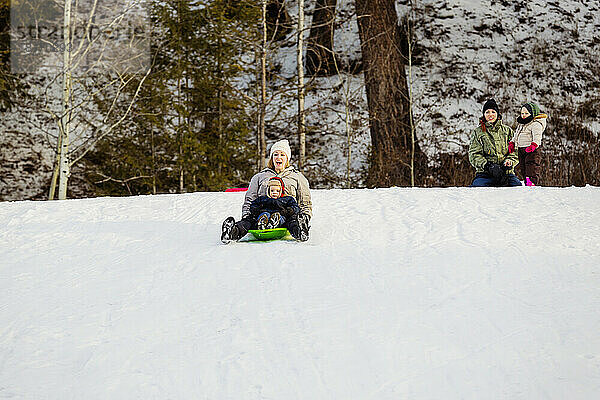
(269, 234)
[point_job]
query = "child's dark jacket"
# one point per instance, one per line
(285, 205)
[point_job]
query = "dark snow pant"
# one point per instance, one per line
(484, 179)
(293, 225)
(240, 228)
(529, 164)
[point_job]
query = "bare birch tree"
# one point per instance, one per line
(261, 140)
(90, 47)
(300, 65)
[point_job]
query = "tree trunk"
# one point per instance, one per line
(408, 34)
(279, 22)
(387, 95)
(56, 168)
(180, 108)
(261, 140)
(320, 59)
(300, 64)
(348, 127)
(65, 121)
(153, 149)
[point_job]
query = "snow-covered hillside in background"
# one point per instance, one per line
(539, 51)
(451, 293)
(466, 51)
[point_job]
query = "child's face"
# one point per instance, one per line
(524, 113)
(274, 192)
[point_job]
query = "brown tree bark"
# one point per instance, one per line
(279, 23)
(7, 83)
(387, 95)
(320, 59)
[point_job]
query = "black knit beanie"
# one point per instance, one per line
(491, 104)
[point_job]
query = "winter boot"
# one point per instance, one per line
(274, 220)
(293, 226)
(303, 227)
(226, 230)
(263, 221)
(528, 182)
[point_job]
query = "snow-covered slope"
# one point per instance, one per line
(400, 293)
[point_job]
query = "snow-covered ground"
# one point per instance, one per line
(400, 293)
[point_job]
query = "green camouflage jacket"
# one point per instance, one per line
(489, 142)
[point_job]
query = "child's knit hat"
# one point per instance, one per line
(533, 109)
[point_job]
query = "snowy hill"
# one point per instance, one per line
(400, 293)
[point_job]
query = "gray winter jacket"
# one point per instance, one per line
(531, 132)
(295, 184)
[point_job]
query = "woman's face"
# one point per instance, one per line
(524, 113)
(279, 160)
(491, 115)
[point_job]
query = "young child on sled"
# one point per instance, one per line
(275, 210)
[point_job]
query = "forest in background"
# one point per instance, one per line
(385, 99)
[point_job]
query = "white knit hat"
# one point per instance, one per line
(282, 145)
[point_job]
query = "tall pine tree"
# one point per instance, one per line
(189, 130)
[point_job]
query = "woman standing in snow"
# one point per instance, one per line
(488, 150)
(527, 139)
(295, 185)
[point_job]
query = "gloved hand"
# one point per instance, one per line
(495, 170)
(254, 210)
(289, 212)
(487, 166)
(531, 148)
(511, 147)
